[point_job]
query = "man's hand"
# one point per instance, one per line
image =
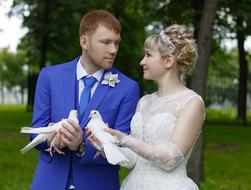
(71, 134)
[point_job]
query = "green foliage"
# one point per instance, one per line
(222, 115)
(12, 68)
(222, 83)
(226, 116)
(55, 22)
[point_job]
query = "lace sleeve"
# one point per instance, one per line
(166, 157)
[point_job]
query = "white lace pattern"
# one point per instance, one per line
(158, 163)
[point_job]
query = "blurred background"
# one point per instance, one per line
(38, 33)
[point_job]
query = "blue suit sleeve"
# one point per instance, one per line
(122, 123)
(41, 111)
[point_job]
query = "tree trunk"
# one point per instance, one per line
(32, 81)
(197, 6)
(45, 29)
(32, 78)
(243, 72)
(2, 92)
(199, 79)
(22, 96)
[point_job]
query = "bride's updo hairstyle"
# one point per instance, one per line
(177, 40)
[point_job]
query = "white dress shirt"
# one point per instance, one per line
(81, 72)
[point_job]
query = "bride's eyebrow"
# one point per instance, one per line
(147, 50)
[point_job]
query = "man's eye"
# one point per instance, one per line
(106, 42)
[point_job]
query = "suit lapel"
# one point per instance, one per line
(69, 86)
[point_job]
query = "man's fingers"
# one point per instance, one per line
(65, 140)
(68, 127)
(62, 144)
(75, 125)
(67, 132)
(71, 128)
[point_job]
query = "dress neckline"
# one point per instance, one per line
(171, 95)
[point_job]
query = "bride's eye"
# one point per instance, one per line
(147, 54)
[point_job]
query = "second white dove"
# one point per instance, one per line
(108, 142)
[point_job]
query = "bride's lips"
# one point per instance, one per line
(110, 58)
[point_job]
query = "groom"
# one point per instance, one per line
(85, 83)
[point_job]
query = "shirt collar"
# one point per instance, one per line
(81, 72)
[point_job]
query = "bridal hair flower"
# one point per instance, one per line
(166, 39)
(110, 79)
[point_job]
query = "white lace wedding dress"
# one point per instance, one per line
(159, 164)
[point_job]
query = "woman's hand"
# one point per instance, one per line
(94, 141)
(115, 133)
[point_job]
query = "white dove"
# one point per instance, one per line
(96, 125)
(44, 132)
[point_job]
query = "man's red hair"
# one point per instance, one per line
(93, 19)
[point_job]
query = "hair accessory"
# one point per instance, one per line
(166, 39)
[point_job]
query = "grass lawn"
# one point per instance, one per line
(16, 169)
(227, 154)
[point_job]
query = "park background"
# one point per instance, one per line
(221, 159)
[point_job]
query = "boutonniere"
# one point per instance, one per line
(110, 79)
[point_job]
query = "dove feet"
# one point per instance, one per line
(54, 149)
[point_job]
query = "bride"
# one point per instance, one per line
(167, 123)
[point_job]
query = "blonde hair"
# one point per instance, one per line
(178, 40)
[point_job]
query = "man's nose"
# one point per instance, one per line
(113, 48)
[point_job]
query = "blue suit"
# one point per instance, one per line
(56, 95)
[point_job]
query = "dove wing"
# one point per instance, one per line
(113, 154)
(38, 130)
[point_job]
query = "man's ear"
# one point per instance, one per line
(168, 61)
(84, 42)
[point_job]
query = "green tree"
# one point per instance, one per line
(234, 18)
(222, 82)
(12, 70)
(52, 36)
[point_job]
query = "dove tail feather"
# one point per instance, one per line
(113, 154)
(25, 149)
(28, 147)
(32, 144)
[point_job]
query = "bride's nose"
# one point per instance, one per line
(142, 62)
